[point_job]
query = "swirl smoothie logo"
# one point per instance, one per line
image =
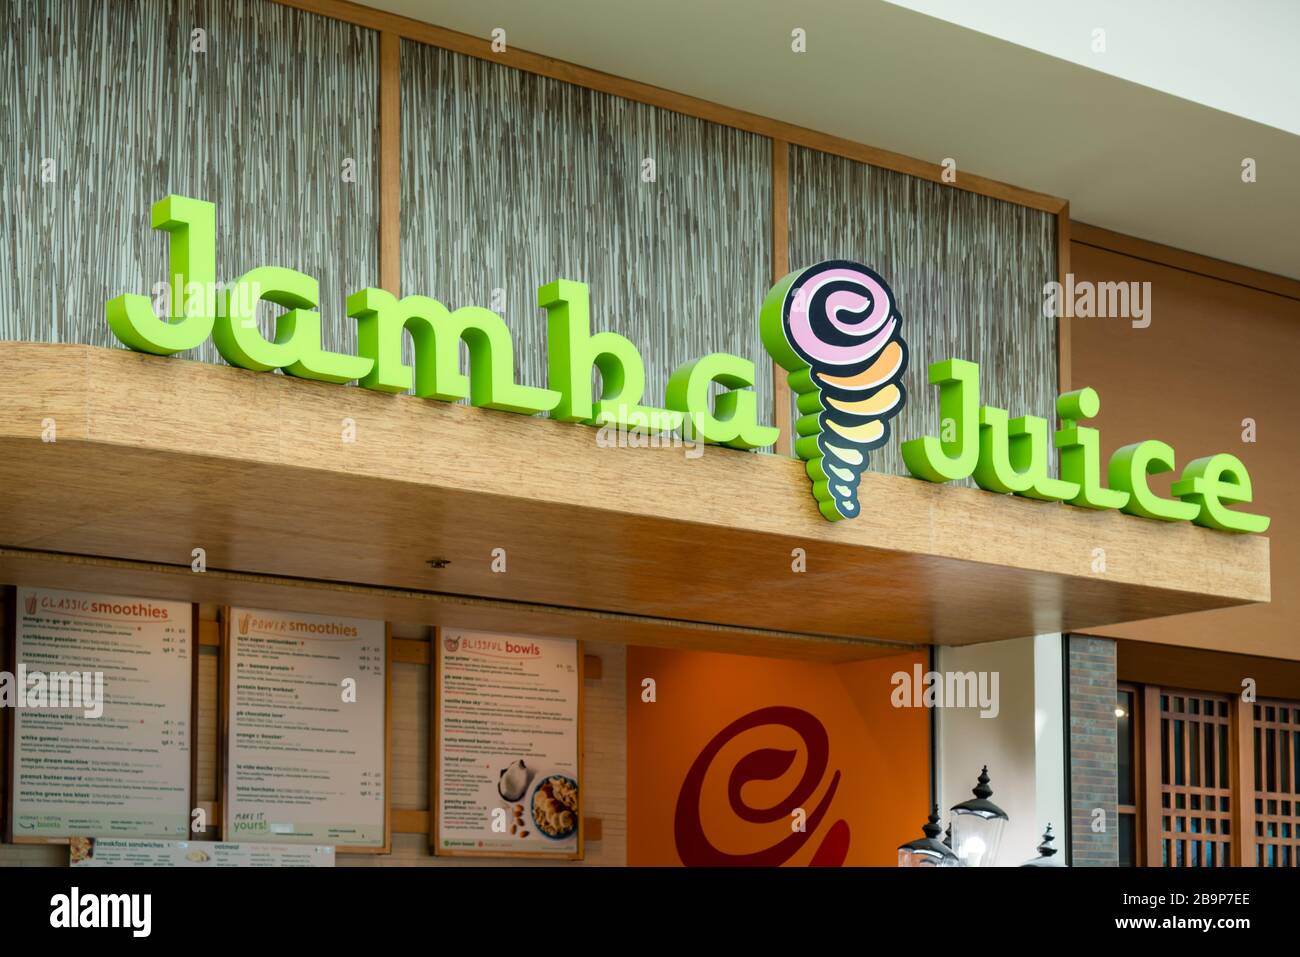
(835, 329)
(765, 764)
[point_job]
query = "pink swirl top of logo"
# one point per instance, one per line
(807, 314)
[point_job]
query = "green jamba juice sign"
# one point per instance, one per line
(436, 332)
(1010, 455)
(834, 327)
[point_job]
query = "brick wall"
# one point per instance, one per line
(1094, 776)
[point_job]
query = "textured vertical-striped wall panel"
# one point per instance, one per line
(967, 271)
(511, 180)
(110, 102)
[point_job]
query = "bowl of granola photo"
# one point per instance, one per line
(555, 807)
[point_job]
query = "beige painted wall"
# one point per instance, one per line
(1023, 745)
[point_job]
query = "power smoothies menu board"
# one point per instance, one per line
(508, 747)
(306, 730)
(117, 761)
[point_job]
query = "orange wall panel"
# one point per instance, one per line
(732, 745)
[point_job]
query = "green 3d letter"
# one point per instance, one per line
(994, 471)
(1080, 449)
(1210, 482)
(191, 225)
(296, 349)
(381, 320)
(437, 333)
(937, 460)
(574, 352)
(735, 420)
(1129, 468)
(1028, 453)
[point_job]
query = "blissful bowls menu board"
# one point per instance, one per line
(306, 729)
(508, 735)
(101, 716)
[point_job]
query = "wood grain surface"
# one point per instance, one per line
(157, 457)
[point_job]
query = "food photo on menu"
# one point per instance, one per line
(553, 802)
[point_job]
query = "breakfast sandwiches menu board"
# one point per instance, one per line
(100, 693)
(508, 735)
(306, 729)
(100, 852)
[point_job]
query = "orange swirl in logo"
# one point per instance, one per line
(763, 764)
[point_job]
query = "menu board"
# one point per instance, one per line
(507, 719)
(306, 729)
(101, 715)
(111, 852)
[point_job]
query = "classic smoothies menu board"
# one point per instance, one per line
(117, 761)
(306, 729)
(508, 745)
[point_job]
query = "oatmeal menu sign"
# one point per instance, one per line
(507, 772)
(306, 729)
(100, 693)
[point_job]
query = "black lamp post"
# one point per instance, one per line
(1046, 853)
(927, 851)
(977, 826)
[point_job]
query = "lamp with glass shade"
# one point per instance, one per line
(1046, 853)
(927, 851)
(977, 826)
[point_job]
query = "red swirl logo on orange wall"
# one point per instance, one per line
(763, 764)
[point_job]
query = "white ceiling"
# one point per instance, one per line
(1241, 57)
(1127, 156)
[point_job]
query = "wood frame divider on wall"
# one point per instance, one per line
(393, 28)
(1136, 769)
(782, 410)
(1063, 353)
(196, 623)
(1241, 780)
(8, 606)
(1162, 255)
(435, 754)
(223, 732)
